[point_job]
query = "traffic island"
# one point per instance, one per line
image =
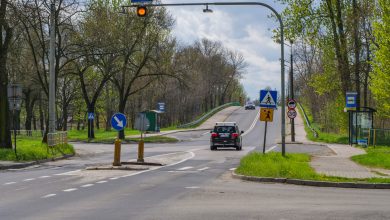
(108, 167)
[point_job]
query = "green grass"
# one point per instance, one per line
(156, 139)
(293, 166)
(100, 134)
(375, 157)
(32, 149)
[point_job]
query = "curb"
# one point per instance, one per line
(27, 164)
(312, 182)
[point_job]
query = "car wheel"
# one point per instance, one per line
(213, 148)
(237, 148)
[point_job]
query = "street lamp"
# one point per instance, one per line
(291, 96)
(15, 101)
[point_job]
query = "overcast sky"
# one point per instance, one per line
(246, 29)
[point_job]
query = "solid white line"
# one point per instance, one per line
(204, 168)
(184, 168)
(103, 181)
(48, 195)
(31, 179)
(9, 183)
(252, 125)
(69, 190)
(67, 173)
(86, 185)
(114, 178)
(271, 149)
(42, 177)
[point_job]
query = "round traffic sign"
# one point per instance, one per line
(291, 104)
(118, 121)
(292, 113)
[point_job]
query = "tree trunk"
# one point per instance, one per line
(122, 106)
(357, 50)
(91, 130)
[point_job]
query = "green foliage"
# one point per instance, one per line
(380, 84)
(293, 166)
(32, 150)
(155, 139)
(100, 134)
(375, 157)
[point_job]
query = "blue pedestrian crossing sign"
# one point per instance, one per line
(118, 121)
(268, 98)
(91, 116)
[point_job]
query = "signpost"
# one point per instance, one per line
(118, 122)
(267, 115)
(350, 98)
(161, 107)
(142, 124)
(15, 101)
(291, 104)
(292, 113)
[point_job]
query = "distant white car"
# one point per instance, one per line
(250, 105)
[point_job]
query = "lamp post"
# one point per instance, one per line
(283, 130)
(15, 101)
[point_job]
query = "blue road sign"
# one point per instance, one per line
(118, 121)
(268, 98)
(91, 115)
(350, 98)
(141, 1)
(161, 106)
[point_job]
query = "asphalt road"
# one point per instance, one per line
(195, 184)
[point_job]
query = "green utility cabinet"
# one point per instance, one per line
(154, 120)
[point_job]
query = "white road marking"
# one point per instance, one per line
(207, 132)
(70, 190)
(204, 168)
(114, 178)
(43, 177)
(184, 168)
(271, 149)
(48, 195)
(192, 187)
(252, 125)
(86, 185)
(67, 173)
(232, 168)
(27, 180)
(9, 183)
(103, 181)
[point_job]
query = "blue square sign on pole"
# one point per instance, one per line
(268, 98)
(161, 106)
(350, 99)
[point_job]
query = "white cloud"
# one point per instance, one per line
(248, 33)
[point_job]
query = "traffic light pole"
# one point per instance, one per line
(283, 130)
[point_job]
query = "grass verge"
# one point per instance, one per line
(100, 134)
(375, 157)
(293, 166)
(32, 150)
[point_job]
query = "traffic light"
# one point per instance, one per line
(142, 11)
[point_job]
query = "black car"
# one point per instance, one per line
(226, 134)
(250, 105)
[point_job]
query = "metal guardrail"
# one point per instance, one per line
(307, 121)
(210, 113)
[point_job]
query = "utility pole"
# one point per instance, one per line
(292, 90)
(52, 91)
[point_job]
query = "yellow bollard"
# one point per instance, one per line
(140, 151)
(117, 153)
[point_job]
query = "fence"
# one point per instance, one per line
(379, 137)
(307, 121)
(53, 139)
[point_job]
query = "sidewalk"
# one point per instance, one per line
(338, 164)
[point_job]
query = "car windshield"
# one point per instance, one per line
(225, 129)
(249, 103)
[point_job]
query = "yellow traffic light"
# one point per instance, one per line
(141, 11)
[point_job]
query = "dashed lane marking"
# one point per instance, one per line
(114, 178)
(232, 168)
(204, 168)
(103, 181)
(70, 190)
(192, 187)
(185, 168)
(48, 196)
(27, 180)
(43, 177)
(68, 173)
(87, 185)
(9, 183)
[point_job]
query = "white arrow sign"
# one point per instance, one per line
(120, 123)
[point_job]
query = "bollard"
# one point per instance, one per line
(117, 153)
(140, 151)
